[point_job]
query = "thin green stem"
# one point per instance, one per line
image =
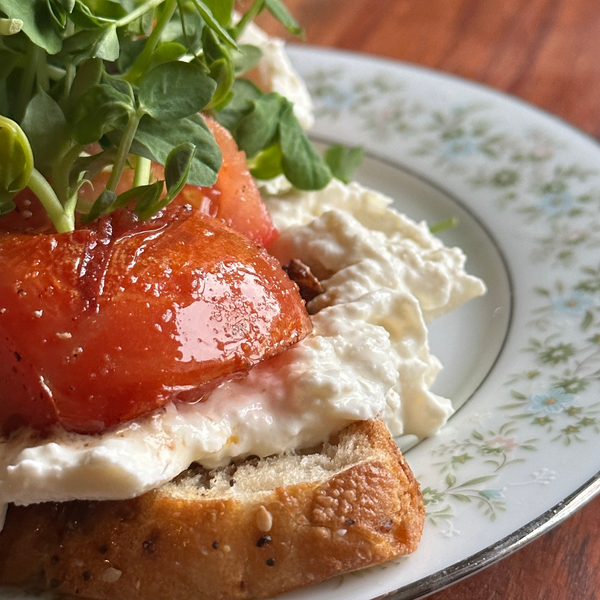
(249, 16)
(123, 151)
(62, 173)
(27, 80)
(10, 26)
(69, 77)
(41, 63)
(143, 171)
(46, 195)
(143, 60)
(138, 12)
(448, 223)
(188, 41)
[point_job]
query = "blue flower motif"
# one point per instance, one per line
(492, 494)
(554, 401)
(574, 304)
(555, 203)
(338, 99)
(459, 147)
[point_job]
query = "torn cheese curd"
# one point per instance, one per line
(384, 277)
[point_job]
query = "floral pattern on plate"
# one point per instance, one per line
(528, 438)
(522, 443)
(525, 173)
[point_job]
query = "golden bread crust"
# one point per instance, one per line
(176, 546)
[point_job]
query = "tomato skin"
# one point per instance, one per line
(28, 216)
(234, 197)
(105, 324)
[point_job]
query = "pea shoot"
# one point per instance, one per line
(89, 85)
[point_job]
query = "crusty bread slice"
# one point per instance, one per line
(251, 530)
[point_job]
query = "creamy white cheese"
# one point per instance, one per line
(384, 277)
(368, 356)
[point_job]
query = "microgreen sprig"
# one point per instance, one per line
(89, 85)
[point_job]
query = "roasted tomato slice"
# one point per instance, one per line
(234, 198)
(106, 324)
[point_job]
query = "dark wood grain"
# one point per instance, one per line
(544, 51)
(548, 53)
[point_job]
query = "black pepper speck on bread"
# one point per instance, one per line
(353, 504)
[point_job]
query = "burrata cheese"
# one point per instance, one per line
(384, 277)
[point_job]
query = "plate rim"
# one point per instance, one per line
(583, 494)
(580, 496)
(495, 552)
(432, 71)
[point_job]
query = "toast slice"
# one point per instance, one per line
(250, 530)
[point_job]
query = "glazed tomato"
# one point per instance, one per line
(107, 323)
(234, 198)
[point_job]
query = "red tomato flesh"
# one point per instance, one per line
(234, 198)
(105, 324)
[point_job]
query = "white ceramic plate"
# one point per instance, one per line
(523, 363)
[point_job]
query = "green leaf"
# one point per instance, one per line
(98, 111)
(16, 162)
(187, 32)
(588, 320)
(267, 164)
(461, 497)
(214, 24)
(167, 52)
(83, 17)
(475, 434)
(259, 129)
(68, 5)
(302, 165)
(91, 14)
(145, 196)
(148, 203)
(223, 74)
(88, 167)
(155, 139)
(245, 58)
(175, 90)
(121, 86)
(344, 161)
(240, 105)
(177, 168)
(141, 193)
(9, 60)
(88, 75)
(130, 50)
(476, 481)
(58, 13)
(46, 127)
(95, 43)
(281, 13)
(221, 10)
(103, 204)
(38, 24)
(107, 9)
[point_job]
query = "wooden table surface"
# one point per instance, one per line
(548, 53)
